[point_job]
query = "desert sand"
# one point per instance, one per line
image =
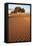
(19, 27)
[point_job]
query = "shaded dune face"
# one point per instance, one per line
(19, 28)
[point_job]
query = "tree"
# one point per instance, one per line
(18, 9)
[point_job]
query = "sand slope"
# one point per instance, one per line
(19, 27)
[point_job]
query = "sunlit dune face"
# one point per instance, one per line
(19, 27)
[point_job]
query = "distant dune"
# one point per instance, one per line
(19, 27)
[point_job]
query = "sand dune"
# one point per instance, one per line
(19, 27)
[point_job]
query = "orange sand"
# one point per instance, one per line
(19, 27)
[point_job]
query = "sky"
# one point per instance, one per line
(31, 8)
(26, 7)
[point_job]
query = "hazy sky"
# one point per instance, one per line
(26, 7)
(31, 8)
